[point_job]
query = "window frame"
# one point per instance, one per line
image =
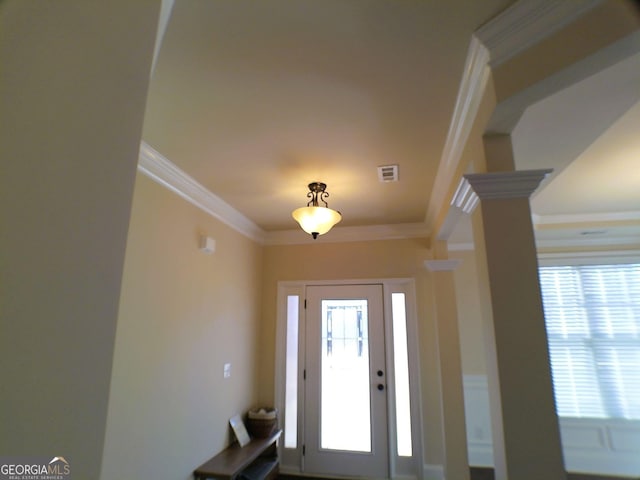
(593, 259)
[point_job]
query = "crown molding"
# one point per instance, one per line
(607, 242)
(470, 92)
(157, 167)
(161, 170)
(522, 25)
(526, 23)
(591, 256)
(166, 8)
(349, 234)
(442, 265)
(472, 86)
(628, 241)
(585, 218)
(516, 184)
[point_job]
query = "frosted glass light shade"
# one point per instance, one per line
(316, 220)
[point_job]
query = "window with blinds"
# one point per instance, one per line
(592, 315)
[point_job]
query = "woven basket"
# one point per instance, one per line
(260, 427)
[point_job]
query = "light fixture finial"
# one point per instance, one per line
(314, 219)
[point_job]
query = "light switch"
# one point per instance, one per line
(227, 370)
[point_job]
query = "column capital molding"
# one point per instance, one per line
(465, 198)
(516, 184)
(442, 265)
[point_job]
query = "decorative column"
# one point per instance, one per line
(526, 437)
(456, 462)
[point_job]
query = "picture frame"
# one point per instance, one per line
(239, 430)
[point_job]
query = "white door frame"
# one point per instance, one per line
(399, 467)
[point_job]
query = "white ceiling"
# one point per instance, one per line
(255, 100)
(589, 135)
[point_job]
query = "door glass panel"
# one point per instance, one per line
(401, 365)
(291, 379)
(345, 391)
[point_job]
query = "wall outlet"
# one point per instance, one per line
(227, 370)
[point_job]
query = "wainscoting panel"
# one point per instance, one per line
(577, 435)
(433, 472)
(476, 406)
(590, 445)
(625, 438)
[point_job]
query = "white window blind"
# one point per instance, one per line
(592, 315)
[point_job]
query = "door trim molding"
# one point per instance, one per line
(400, 467)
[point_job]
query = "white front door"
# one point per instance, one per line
(345, 386)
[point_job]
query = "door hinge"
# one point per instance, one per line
(305, 303)
(304, 374)
(304, 450)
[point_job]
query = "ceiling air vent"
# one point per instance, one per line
(388, 173)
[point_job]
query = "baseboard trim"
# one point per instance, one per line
(487, 473)
(433, 472)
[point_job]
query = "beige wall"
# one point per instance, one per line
(353, 261)
(559, 53)
(183, 315)
(469, 313)
(73, 83)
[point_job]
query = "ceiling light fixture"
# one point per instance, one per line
(313, 218)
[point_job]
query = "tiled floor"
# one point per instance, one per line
(487, 474)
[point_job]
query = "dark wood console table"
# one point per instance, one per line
(258, 459)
